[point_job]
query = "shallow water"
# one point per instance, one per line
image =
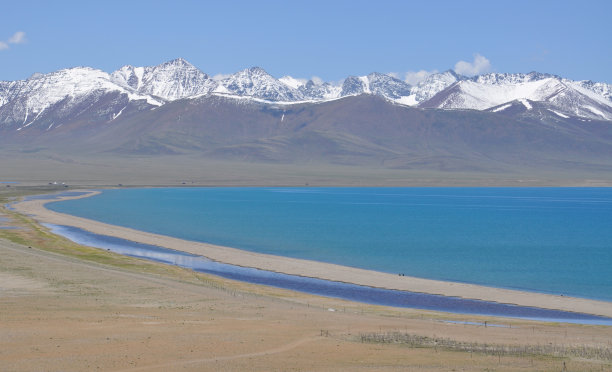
(552, 240)
(321, 287)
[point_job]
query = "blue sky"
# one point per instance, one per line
(328, 39)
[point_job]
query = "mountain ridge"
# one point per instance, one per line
(25, 100)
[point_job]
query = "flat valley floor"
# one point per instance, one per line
(66, 307)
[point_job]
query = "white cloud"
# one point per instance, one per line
(480, 65)
(415, 77)
(220, 77)
(17, 38)
(317, 80)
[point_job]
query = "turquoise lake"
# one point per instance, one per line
(552, 240)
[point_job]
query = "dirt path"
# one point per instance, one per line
(175, 365)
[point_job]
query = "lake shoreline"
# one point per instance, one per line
(298, 267)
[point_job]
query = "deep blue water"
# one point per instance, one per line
(553, 240)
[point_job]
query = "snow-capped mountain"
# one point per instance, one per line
(320, 92)
(257, 83)
(377, 84)
(388, 86)
(170, 81)
(61, 93)
(91, 95)
(313, 91)
(374, 83)
(433, 84)
(491, 90)
(603, 89)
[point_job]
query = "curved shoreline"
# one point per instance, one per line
(320, 270)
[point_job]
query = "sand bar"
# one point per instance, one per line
(35, 208)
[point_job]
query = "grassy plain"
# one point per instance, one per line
(43, 167)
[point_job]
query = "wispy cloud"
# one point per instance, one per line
(317, 80)
(540, 55)
(412, 77)
(480, 65)
(415, 77)
(219, 77)
(18, 37)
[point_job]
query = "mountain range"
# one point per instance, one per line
(448, 121)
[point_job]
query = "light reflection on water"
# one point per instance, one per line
(321, 287)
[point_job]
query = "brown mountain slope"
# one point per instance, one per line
(360, 131)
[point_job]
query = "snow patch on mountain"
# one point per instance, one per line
(292, 82)
(559, 114)
(526, 103)
(502, 107)
(407, 100)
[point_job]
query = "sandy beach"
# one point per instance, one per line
(37, 210)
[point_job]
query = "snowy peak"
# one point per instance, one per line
(481, 94)
(177, 63)
(602, 89)
(492, 90)
(503, 78)
(434, 84)
(129, 76)
(170, 80)
(354, 85)
(256, 82)
(377, 84)
(319, 91)
(50, 98)
(388, 86)
(26, 101)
